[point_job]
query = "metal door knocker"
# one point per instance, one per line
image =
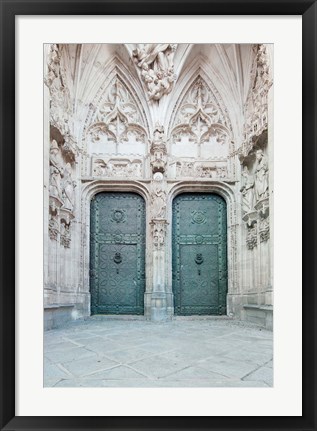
(199, 260)
(117, 259)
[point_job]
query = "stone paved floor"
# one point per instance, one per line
(186, 352)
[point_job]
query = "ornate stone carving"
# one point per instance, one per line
(68, 188)
(261, 176)
(117, 168)
(65, 234)
(60, 105)
(201, 169)
(158, 196)
(155, 63)
(118, 119)
(256, 108)
(158, 233)
(251, 239)
(56, 172)
(200, 117)
(53, 65)
(158, 150)
(264, 230)
(247, 190)
(53, 229)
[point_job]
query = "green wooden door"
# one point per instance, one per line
(117, 253)
(199, 254)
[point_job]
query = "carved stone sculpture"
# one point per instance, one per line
(264, 230)
(157, 70)
(52, 65)
(158, 197)
(261, 176)
(68, 188)
(158, 150)
(158, 233)
(65, 234)
(56, 172)
(247, 191)
(251, 239)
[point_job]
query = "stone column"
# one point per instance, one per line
(159, 295)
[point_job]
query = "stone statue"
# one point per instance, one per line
(158, 197)
(261, 176)
(247, 190)
(159, 55)
(68, 188)
(157, 69)
(56, 171)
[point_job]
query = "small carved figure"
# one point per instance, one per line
(247, 190)
(68, 188)
(261, 176)
(158, 135)
(56, 171)
(158, 197)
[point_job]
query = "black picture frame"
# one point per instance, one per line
(9, 10)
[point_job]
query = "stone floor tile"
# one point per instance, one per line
(69, 355)
(249, 355)
(54, 373)
(128, 355)
(195, 373)
(227, 367)
(121, 372)
(63, 346)
(264, 374)
(78, 383)
(86, 366)
(212, 352)
(158, 366)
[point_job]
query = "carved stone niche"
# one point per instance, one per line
(158, 151)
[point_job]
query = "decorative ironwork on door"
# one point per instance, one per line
(199, 254)
(117, 253)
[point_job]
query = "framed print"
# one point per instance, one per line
(159, 163)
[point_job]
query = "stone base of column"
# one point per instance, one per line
(158, 306)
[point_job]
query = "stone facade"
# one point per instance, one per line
(158, 120)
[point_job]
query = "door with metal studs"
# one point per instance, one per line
(117, 253)
(199, 255)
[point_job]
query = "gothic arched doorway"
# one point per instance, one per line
(199, 258)
(117, 253)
